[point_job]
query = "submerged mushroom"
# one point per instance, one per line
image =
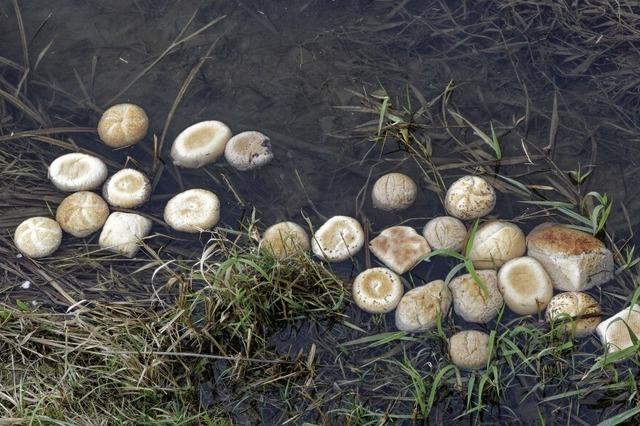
(81, 214)
(338, 239)
(421, 308)
(77, 172)
(377, 290)
(469, 349)
(38, 237)
(574, 310)
(192, 211)
(495, 243)
(284, 239)
(127, 189)
(393, 192)
(445, 232)
(615, 333)
(471, 302)
(123, 232)
(470, 197)
(525, 285)
(200, 144)
(400, 248)
(248, 150)
(123, 125)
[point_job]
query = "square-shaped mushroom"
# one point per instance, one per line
(400, 248)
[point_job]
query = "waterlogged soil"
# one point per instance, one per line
(286, 68)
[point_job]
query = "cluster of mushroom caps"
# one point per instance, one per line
(85, 212)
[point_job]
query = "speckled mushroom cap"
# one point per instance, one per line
(614, 332)
(470, 302)
(469, 349)
(200, 144)
(285, 239)
(248, 150)
(38, 237)
(122, 233)
(394, 192)
(77, 172)
(193, 211)
(338, 239)
(420, 308)
(495, 243)
(400, 248)
(123, 125)
(377, 290)
(127, 189)
(445, 232)
(525, 285)
(574, 310)
(81, 214)
(470, 197)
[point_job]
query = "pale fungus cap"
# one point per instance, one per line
(38, 237)
(200, 144)
(495, 243)
(614, 332)
(248, 150)
(77, 172)
(393, 192)
(470, 302)
(123, 125)
(284, 239)
(123, 232)
(81, 214)
(470, 197)
(192, 211)
(338, 239)
(377, 290)
(469, 349)
(525, 285)
(445, 232)
(420, 308)
(576, 311)
(127, 189)
(400, 248)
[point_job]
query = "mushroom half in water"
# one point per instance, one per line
(200, 144)
(248, 150)
(77, 172)
(470, 197)
(377, 290)
(123, 125)
(81, 214)
(338, 239)
(284, 239)
(193, 211)
(127, 189)
(469, 349)
(394, 192)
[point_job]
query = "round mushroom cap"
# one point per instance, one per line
(38, 237)
(248, 150)
(338, 239)
(525, 286)
(123, 232)
(470, 197)
(377, 290)
(192, 211)
(470, 302)
(284, 239)
(420, 308)
(495, 243)
(81, 214)
(123, 125)
(200, 144)
(469, 349)
(445, 232)
(77, 172)
(574, 310)
(394, 192)
(127, 189)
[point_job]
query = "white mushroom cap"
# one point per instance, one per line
(77, 172)
(38, 237)
(469, 349)
(338, 239)
(400, 248)
(127, 189)
(248, 150)
(123, 125)
(284, 239)
(420, 308)
(614, 332)
(81, 214)
(393, 192)
(470, 197)
(470, 302)
(192, 211)
(578, 310)
(200, 144)
(122, 233)
(377, 290)
(496, 242)
(445, 232)
(525, 285)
